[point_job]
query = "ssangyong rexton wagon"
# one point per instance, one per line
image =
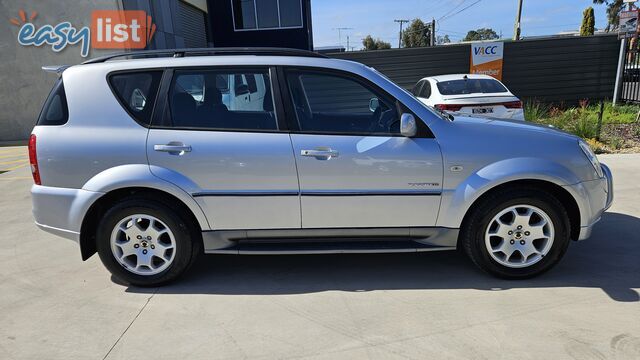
(154, 158)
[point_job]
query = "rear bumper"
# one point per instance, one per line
(60, 211)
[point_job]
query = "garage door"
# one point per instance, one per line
(193, 25)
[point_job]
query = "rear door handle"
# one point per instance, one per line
(320, 153)
(173, 148)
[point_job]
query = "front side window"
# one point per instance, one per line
(329, 103)
(137, 92)
(470, 86)
(212, 99)
(266, 14)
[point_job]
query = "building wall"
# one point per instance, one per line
(24, 86)
(559, 71)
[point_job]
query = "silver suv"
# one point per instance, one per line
(153, 158)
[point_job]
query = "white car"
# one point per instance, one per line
(469, 94)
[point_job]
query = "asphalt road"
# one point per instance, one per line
(404, 306)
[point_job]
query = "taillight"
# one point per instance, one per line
(33, 160)
(448, 107)
(513, 105)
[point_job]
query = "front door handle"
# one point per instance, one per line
(320, 153)
(173, 148)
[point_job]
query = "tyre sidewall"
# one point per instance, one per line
(177, 225)
(541, 200)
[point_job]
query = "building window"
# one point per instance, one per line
(266, 14)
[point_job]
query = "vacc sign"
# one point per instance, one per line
(487, 59)
(110, 29)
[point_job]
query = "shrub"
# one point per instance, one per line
(586, 127)
(534, 111)
(616, 143)
(597, 146)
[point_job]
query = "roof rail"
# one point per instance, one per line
(264, 51)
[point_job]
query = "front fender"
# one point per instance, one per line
(140, 175)
(459, 198)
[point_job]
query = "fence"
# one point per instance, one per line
(556, 70)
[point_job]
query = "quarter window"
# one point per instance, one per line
(266, 14)
(55, 110)
(425, 92)
(211, 99)
(137, 92)
(331, 103)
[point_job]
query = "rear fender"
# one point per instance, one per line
(140, 175)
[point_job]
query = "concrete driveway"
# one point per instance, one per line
(410, 306)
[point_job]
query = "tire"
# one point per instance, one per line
(487, 238)
(166, 257)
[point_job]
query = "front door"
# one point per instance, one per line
(240, 166)
(355, 168)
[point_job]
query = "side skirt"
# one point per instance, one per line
(329, 241)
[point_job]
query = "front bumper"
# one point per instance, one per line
(598, 198)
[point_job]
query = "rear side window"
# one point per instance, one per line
(55, 111)
(470, 86)
(221, 100)
(137, 92)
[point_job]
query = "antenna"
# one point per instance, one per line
(340, 33)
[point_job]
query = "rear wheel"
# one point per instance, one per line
(516, 233)
(146, 243)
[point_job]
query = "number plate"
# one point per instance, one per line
(482, 111)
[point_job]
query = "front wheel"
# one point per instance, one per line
(146, 243)
(517, 233)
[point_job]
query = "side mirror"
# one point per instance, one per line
(374, 104)
(242, 89)
(408, 126)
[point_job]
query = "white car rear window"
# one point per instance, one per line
(470, 86)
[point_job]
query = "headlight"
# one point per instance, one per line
(591, 156)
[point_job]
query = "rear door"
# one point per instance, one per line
(355, 168)
(238, 160)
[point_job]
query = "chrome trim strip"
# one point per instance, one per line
(319, 193)
(372, 193)
(247, 193)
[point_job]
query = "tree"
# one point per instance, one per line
(588, 22)
(614, 7)
(417, 34)
(481, 34)
(443, 40)
(370, 43)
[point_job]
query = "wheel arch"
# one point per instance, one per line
(104, 203)
(123, 181)
(559, 192)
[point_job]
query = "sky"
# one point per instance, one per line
(375, 17)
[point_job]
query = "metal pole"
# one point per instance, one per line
(340, 33)
(433, 32)
(619, 73)
(516, 30)
(400, 36)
